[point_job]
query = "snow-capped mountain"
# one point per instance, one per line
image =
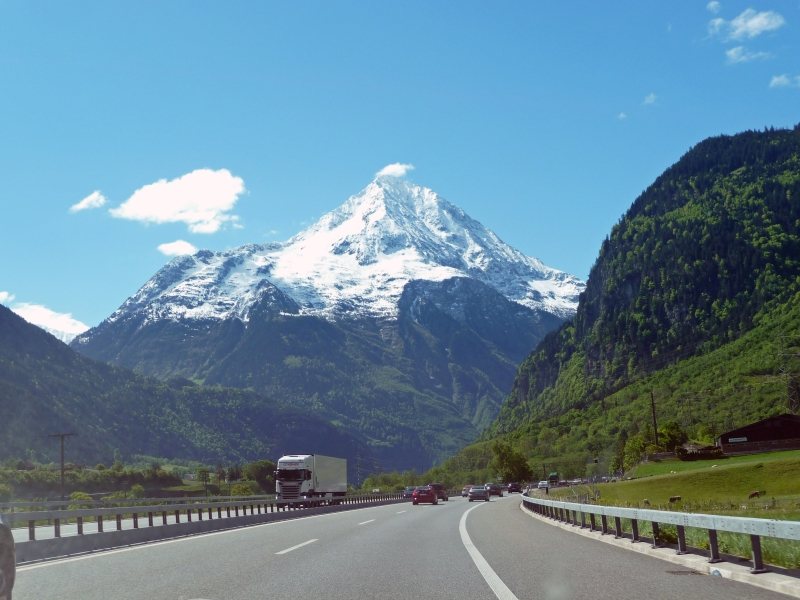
(355, 261)
(396, 316)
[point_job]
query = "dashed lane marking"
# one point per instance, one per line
(297, 546)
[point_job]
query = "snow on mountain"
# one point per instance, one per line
(62, 326)
(355, 261)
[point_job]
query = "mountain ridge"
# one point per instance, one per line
(329, 320)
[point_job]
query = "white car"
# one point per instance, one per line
(544, 485)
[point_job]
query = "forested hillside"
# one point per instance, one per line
(46, 388)
(714, 241)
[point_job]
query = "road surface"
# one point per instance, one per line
(454, 550)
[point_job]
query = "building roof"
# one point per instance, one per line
(779, 427)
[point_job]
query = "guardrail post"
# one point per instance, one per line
(177, 516)
(57, 527)
(150, 518)
(713, 547)
(592, 522)
(200, 514)
(99, 523)
(163, 517)
(618, 527)
(228, 510)
(656, 533)
(236, 509)
(758, 561)
(119, 522)
(31, 531)
(634, 530)
(210, 513)
(604, 521)
(189, 515)
(583, 520)
(80, 525)
(135, 521)
(681, 540)
(219, 512)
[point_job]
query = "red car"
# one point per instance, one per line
(424, 493)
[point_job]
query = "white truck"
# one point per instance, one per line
(311, 477)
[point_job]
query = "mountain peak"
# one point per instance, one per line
(356, 260)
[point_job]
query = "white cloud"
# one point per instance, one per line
(716, 26)
(61, 325)
(650, 99)
(395, 170)
(201, 199)
(6, 297)
(782, 81)
(177, 248)
(713, 6)
(622, 116)
(749, 24)
(740, 54)
(93, 200)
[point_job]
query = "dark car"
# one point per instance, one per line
(8, 562)
(424, 493)
(514, 487)
(408, 491)
(478, 492)
(441, 491)
(495, 489)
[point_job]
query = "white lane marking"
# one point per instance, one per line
(495, 583)
(365, 522)
(297, 546)
(400, 512)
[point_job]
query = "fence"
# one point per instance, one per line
(577, 514)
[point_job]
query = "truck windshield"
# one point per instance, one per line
(290, 474)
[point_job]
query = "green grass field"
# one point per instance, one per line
(720, 486)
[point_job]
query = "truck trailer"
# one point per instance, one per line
(311, 477)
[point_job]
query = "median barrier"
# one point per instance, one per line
(102, 528)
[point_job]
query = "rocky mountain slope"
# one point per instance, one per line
(396, 316)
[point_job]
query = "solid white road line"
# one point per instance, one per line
(365, 522)
(496, 584)
(296, 547)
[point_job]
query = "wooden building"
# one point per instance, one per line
(781, 432)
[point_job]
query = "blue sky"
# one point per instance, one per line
(130, 131)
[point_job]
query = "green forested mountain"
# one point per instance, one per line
(709, 252)
(46, 388)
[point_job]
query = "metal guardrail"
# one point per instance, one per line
(163, 514)
(11, 507)
(568, 512)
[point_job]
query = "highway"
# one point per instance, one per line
(453, 550)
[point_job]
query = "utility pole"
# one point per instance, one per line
(62, 436)
(653, 408)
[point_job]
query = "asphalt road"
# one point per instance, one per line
(453, 550)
